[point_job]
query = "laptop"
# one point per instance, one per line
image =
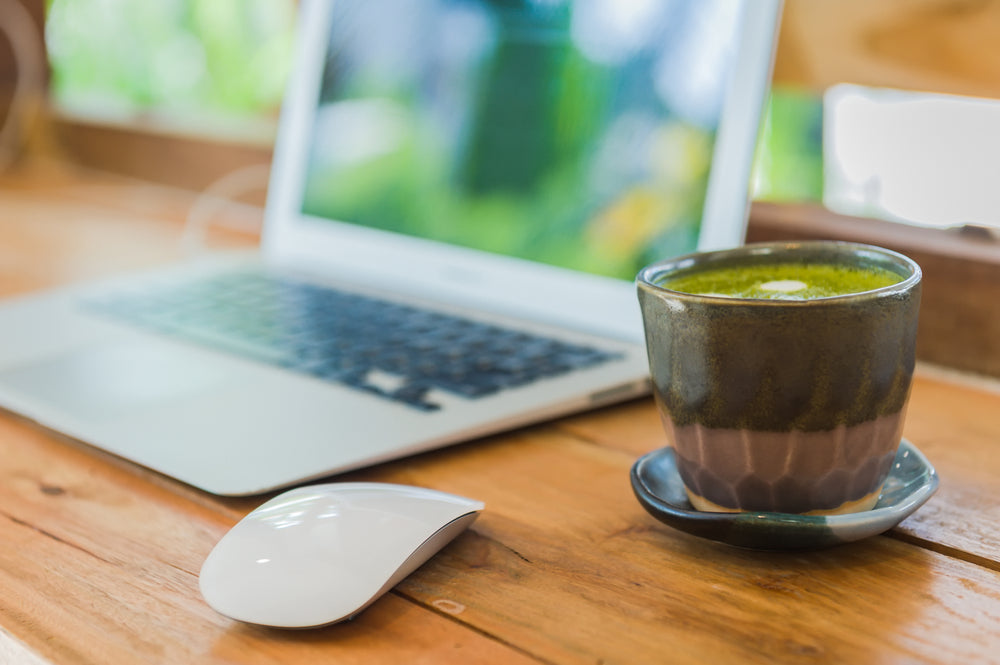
(461, 195)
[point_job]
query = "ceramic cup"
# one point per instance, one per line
(782, 405)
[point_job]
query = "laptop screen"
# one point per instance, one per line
(578, 134)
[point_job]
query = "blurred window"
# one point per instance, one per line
(198, 64)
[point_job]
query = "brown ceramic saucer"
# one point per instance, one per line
(656, 483)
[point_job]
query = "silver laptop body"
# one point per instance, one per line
(426, 151)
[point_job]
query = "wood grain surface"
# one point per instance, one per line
(99, 558)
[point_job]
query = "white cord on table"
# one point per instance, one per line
(218, 196)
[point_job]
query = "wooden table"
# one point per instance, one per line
(99, 558)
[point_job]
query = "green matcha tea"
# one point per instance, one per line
(787, 281)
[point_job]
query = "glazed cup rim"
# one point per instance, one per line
(648, 276)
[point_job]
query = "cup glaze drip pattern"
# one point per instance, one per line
(783, 406)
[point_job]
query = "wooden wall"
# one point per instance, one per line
(950, 46)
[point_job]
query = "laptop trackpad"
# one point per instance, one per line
(113, 380)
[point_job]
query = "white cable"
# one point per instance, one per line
(19, 29)
(220, 195)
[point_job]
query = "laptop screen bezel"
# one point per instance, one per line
(469, 277)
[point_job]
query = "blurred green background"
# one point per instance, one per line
(210, 57)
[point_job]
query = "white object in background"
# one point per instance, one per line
(928, 159)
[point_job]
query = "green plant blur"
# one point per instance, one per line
(222, 57)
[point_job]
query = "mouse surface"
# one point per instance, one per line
(318, 554)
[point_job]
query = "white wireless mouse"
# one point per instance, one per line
(318, 554)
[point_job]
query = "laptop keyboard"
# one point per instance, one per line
(399, 352)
